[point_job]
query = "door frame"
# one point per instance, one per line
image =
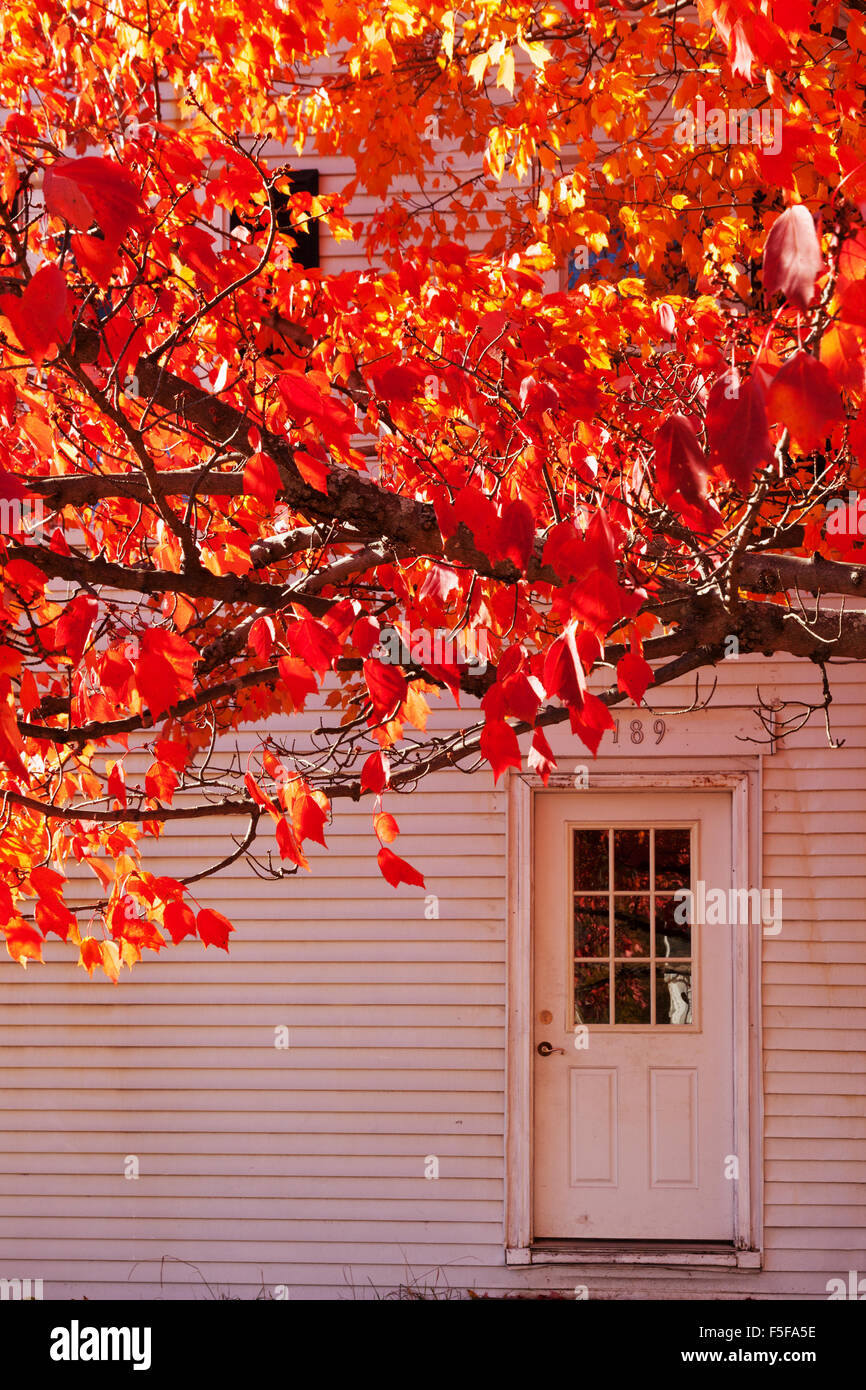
(522, 788)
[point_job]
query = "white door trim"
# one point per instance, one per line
(744, 786)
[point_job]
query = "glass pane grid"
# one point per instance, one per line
(632, 957)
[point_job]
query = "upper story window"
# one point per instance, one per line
(306, 236)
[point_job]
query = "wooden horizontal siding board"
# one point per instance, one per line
(847, 1195)
(217, 1151)
(264, 1067)
(130, 1239)
(322, 1123)
(827, 1147)
(208, 1005)
(305, 1040)
(815, 1126)
(458, 1180)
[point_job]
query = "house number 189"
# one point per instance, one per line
(636, 730)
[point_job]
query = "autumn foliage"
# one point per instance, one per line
(591, 394)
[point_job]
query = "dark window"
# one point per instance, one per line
(601, 264)
(306, 250)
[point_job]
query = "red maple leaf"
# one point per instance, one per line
(163, 672)
(806, 399)
(397, 870)
(213, 928)
(40, 316)
(737, 429)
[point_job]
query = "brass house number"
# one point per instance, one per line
(636, 732)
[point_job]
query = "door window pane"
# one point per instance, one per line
(632, 994)
(627, 923)
(673, 937)
(631, 859)
(673, 858)
(591, 860)
(631, 918)
(592, 993)
(674, 992)
(591, 930)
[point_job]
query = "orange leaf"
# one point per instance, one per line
(288, 845)
(160, 782)
(385, 826)
(90, 954)
(23, 942)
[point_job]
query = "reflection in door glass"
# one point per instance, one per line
(631, 859)
(632, 995)
(592, 993)
(631, 925)
(674, 992)
(673, 937)
(632, 957)
(590, 860)
(591, 929)
(672, 858)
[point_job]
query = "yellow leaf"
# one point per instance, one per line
(448, 20)
(478, 67)
(679, 201)
(538, 54)
(505, 75)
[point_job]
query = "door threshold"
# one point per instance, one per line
(712, 1254)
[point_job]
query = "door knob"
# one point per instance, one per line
(544, 1049)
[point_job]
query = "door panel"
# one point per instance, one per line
(633, 1101)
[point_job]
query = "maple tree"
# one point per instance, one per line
(249, 472)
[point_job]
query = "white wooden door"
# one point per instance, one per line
(634, 1117)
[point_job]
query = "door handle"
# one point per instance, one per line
(544, 1049)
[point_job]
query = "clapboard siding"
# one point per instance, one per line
(305, 1166)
